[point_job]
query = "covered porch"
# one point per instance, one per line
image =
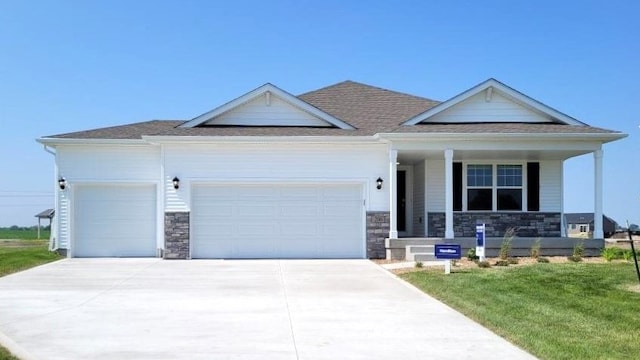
(441, 188)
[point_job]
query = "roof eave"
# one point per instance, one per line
(603, 137)
(53, 141)
(164, 139)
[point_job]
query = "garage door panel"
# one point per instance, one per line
(255, 208)
(278, 220)
(114, 220)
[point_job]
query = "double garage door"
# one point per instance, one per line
(277, 221)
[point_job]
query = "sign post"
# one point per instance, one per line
(448, 252)
(480, 240)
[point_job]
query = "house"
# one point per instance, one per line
(581, 225)
(331, 173)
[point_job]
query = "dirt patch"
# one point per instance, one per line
(465, 263)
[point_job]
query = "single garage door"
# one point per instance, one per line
(114, 221)
(277, 221)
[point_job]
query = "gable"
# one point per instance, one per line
(484, 108)
(492, 102)
(267, 105)
(267, 110)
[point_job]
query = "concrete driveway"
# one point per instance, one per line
(214, 309)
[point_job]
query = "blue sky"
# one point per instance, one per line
(77, 65)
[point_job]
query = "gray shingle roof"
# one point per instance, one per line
(369, 109)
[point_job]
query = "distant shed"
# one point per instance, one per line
(47, 214)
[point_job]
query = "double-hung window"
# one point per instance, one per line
(494, 187)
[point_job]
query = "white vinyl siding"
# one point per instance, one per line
(62, 217)
(263, 112)
(114, 220)
(418, 199)
(498, 109)
(277, 221)
(551, 185)
(435, 186)
(301, 163)
(104, 163)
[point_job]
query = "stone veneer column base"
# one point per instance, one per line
(377, 232)
(176, 235)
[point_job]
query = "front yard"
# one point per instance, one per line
(554, 311)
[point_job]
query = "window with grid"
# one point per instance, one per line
(509, 187)
(479, 187)
(504, 187)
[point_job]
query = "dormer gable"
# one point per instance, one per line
(267, 105)
(492, 102)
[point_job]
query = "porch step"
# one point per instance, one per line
(405, 248)
(425, 257)
(420, 252)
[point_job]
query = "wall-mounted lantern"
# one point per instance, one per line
(176, 183)
(62, 183)
(379, 182)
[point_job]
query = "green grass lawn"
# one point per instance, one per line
(24, 234)
(17, 255)
(554, 311)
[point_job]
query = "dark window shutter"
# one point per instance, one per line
(457, 186)
(533, 186)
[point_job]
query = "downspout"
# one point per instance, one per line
(53, 233)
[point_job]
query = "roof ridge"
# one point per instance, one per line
(367, 86)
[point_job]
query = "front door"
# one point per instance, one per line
(401, 209)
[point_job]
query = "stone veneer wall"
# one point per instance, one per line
(377, 231)
(527, 224)
(176, 235)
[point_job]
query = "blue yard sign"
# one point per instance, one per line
(448, 251)
(480, 240)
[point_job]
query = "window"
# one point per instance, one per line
(584, 228)
(479, 187)
(494, 187)
(573, 226)
(509, 187)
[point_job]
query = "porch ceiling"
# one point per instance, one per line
(414, 156)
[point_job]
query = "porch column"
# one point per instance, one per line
(393, 194)
(598, 232)
(448, 193)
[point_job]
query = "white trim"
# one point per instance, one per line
(604, 137)
(598, 231)
(166, 139)
(73, 141)
(513, 94)
(393, 192)
(448, 197)
(425, 217)
(274, 90)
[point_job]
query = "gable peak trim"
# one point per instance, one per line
(268, 90)
(490, 87)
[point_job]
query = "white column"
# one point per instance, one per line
(598, 232)
(448, 193)
(393, 194)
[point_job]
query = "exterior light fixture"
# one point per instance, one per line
(62, 183)
(379, 182)
(176, 183)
